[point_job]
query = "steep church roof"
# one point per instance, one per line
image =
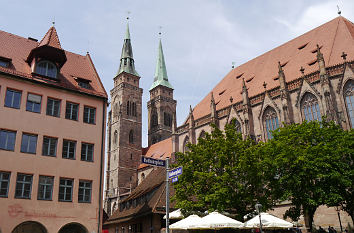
(126, 60)
(160, 77)
(333, 37)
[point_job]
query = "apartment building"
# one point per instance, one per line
(52, 136)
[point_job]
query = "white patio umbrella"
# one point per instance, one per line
(217, 221)
(268, 222)
(186, 223)
(177, 214)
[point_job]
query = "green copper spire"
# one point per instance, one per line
(160, 77)
(126, 59)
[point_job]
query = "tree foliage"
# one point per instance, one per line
(222, 172)
(308, 162)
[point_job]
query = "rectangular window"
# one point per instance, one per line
(69, 148)
(85, 188)
(89, 115)
(29, 143)
(45, 187)
(53, 107)
(34, 103)
(49, 146)
(13, 98)
(71, 111)
(66, 189)
(7, 140)
(4, 183)
(87, 152)
(23, 186)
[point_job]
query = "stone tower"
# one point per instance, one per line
(162, 106)
(124, 129)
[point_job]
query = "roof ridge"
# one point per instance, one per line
(334, 39)
(95, 71)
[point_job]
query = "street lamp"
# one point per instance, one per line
(258, 209)
(340, 222)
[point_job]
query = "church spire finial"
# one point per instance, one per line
(339, 11)
(127, 33)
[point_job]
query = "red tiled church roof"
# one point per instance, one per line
(160, 150)
(334, 37)
(17, 49)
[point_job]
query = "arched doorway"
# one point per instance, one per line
(30, 227)
(73, 228)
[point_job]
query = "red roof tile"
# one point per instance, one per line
(18, 48)
(160, 150)
(51, 39)
(334, 36)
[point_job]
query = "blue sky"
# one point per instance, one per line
(201, 38)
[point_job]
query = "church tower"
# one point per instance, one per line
(162, 106)
(124, 129)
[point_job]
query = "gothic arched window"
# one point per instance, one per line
(185, 142)
(237, 125)
(167, 119)
(154, 120)
(131, 108)
(128, 108)
(310, 108)
(131, 137)
(115, 137)
(134, 109)
(270, 121)
(202, 134)
(349, 100)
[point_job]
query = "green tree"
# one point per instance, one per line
(340, 183)
(307, 161)
(222, 172)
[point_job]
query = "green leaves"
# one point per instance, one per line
(310, 164)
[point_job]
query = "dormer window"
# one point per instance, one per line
(46, 68)
(5, 62)
(84, 83)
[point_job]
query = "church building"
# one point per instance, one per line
(304, 79)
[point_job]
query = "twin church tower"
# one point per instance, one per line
(124, 144)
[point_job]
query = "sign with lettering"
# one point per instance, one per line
(174, 179)
(175, 172)
(154, 162)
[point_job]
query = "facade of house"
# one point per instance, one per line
(303, 79)
(52, 136)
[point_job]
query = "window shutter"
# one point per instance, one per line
(34, 98)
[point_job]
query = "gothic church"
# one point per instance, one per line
(303, 79)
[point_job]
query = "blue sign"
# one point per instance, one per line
(175, 172)
(174, 179)
(154, 162)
